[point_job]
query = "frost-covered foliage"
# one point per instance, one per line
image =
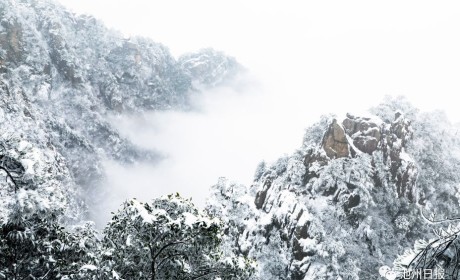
(284, 236)
(314, 134)
(165, 239)
(36, 199)
(169, 239)
(391, 105)
(347, 203)
(343, 215)
(34, 181)
(40, 248)
(208, 67)
(435, 149)
(62, 75)
(436, 258)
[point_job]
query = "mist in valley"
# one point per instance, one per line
(302, 61)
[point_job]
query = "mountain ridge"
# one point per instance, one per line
(67, 73)
(347, 202)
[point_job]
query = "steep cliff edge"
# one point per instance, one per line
(347, 202)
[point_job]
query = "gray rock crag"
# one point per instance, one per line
(335, 142)
(341, 206)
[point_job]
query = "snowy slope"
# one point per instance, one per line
(61, 75)
(342, 206)
(348, 201)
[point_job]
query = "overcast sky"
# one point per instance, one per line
(307, 58)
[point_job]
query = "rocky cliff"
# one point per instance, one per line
(348, 201)
(62, 75)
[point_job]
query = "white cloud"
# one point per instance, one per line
(308, 58)
(227, 134)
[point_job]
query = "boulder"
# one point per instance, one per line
(335, 142)
(366, 134)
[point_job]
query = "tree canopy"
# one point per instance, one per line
(168, 238)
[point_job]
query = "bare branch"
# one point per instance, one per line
(431, 221)
(10, 176)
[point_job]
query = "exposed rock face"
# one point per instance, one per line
(342, 216)
(402, 167)
(365, 133)
(335, 141)
(368, 136)
(262, 195)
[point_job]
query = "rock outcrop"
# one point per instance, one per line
(335, 208)
(335, 141)
(365, 133)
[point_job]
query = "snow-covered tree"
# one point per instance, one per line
(168, 238)
(436, 258)
(35, 202)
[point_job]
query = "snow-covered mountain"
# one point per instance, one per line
(349, 201)
(63, 74)
(359, 191)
